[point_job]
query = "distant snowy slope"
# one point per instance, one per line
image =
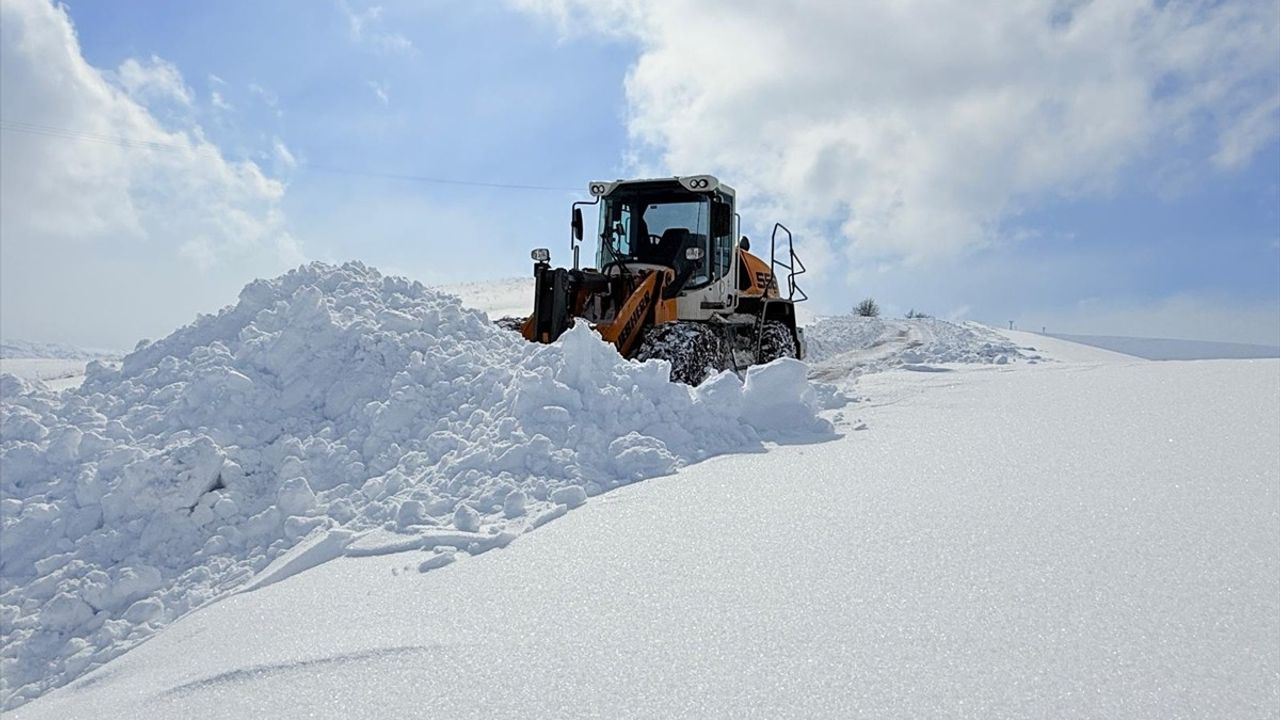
(1056, 540)
(15, 349)
(1054, 348)
(47, 370)
(57, 365)
(509, 297)
(1168, 349)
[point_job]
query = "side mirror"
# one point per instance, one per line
(744, 243)
(577, 224)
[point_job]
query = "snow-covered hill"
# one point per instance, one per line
(1002, 524)
(844, 347)
(1065, 539)
(25, 349)
(331, 411)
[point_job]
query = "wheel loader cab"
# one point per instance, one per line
(685, 224)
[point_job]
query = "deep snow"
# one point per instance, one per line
(1069, 539)
(330, 411)
(305, 456)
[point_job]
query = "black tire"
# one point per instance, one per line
(776, 340)
(696, 351)
(513, 324)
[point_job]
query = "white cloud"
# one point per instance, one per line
(268, 98)
(366, 28)
(380, 92)
(920, 129)
(153, 80)
(283, 155)
(219, 102)
(216, 98)
(113, 225)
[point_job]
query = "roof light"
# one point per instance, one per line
(600, 188)
(541, 255)
(700, 183)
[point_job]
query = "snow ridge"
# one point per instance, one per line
(847, 346)
(331, 410)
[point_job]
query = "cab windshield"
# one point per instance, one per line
(654, 227)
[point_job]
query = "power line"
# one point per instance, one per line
(138, 144)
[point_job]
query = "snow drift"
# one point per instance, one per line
(848, 345)
(330, 411)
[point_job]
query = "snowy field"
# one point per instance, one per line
(1168, 349)
(1072, 539)
(331, 411)
(952, 522)
(56, 373)
(510, 297)
(57, 365)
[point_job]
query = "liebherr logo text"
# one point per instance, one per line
(641, 309)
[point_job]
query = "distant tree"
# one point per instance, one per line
(867, 308)
(912, 315)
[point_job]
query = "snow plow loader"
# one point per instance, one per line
(673, 279)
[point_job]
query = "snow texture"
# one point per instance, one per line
(846, 346)
(1056, 540)
(330, 411)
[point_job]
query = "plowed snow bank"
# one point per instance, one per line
(330, 408)
(840, 346)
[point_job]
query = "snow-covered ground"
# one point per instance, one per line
(316, 503)
(1066, 539)
(842, 348)
(57, 365)
(509, 297)
(55, 373)
(26, 349)
(1169, 349)
(330, 411)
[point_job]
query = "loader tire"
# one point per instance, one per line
(514, 324)
(696, 351)
(776, 340)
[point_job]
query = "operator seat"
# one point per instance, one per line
(672, 243)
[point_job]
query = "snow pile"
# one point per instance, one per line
(331, 411)
(852, 344)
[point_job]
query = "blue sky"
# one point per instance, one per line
(967, 176)
(485, 93)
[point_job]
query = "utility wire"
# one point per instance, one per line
(137, 144)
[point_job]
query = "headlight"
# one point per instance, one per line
(693, 253)
(541, 255)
